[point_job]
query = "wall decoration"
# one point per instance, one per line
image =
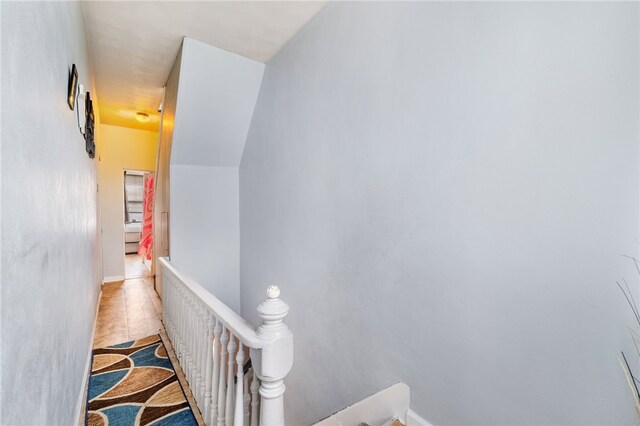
(72, 88)
(90, 145)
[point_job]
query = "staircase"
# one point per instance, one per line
(236, 373)
(389, 407)
(212, 343)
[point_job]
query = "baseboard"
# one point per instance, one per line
(87, 369)
(374, 410)
(113, 278)
(415, 420)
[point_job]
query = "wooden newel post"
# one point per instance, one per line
(275, 359)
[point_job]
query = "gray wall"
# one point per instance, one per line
(444, 192)
(49, 280)
(205, 230)
(216, 94)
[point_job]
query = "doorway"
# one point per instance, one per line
(137, 264)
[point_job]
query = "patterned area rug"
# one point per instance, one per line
(134, 383)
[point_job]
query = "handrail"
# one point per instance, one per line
(211, 343)
(240, 327)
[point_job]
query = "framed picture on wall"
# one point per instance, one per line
(90, 145)
(72, 89)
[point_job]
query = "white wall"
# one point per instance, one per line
(122, 149)
(216, 95)
(205, 229)
(49, 209)
(443, 192)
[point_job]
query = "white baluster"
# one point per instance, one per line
(174, 314)
(205, 354)
(195, 328)
(222, 386)
(277, 358)
(172, 302)
(166, 306)
(176, 321)
(200, 341)
(191, 351)
(187, 337)
(246, 399)
(209, 364)
(165, 312)
(229, 412)
(255, 400)
(215, 373)
(238, 416)
(183, 333)
(174, 310)
(181, 319)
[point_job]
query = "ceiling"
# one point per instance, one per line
(133, 45)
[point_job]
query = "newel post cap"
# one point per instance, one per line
(273, 292)
(272, 312)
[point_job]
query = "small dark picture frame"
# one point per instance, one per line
(89, 126)
(72, 89)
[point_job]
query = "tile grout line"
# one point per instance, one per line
(126, 308)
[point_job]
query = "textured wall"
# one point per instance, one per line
(205, 229)
(49, 287)
(443, 191)
(122, 149)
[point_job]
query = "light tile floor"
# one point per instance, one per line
(128, 310)
(134, 267)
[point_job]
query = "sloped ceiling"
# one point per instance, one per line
(133, 45)
(216, 97)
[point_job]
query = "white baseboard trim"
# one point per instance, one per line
(87, 369)
(392, 402)
(415, 420)
(112, 279)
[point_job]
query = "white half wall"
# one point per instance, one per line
(444, 191)
(205, 229)
(49, 288)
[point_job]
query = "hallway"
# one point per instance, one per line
(284, 173)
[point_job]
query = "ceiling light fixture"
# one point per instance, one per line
(142, 117)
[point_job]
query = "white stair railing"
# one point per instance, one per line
(211, 342)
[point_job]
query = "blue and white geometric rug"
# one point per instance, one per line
(134, 383)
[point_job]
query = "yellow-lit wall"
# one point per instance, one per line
(121, 149)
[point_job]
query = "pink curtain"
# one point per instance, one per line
(146, 241)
